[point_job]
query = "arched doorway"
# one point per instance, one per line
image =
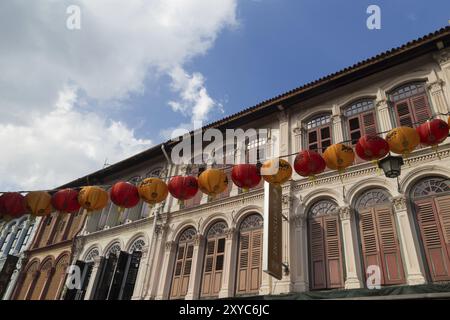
(183, 264)
(213, 261)
(325, 246)
(378, 236)
(431, 205)
(249, 268)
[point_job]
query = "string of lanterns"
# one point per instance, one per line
(308, 163)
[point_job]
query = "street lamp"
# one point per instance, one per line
(391, 166)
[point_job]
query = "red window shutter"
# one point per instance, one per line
(317, 252)
(389, 245)
(404, 114)
(369, 241)
(369, 123)
(432, 236)
(421, 108)
(335, 276)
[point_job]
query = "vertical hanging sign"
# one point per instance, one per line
(272, 249)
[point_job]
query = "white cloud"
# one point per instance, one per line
(48, 131)
(194, 98)
(62, 145)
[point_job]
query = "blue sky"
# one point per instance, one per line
(282, 44)
(72, 99)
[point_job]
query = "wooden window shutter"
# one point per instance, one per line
(317, 252)
(369, 241)
(244, 246)
(421, 108)
(432, 236)
(333, 252)
(118, 275)
(404, 114)
(389, 245)
(131, 276)
(249, 264)
(256, 259)
(213, 267)
(369, 123)
(182, 271)
(380, 244)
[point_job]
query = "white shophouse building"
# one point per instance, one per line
(334, 229)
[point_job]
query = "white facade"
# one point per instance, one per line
(154, 279)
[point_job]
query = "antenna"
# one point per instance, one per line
(106, 164)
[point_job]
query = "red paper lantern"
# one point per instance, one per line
(14, 204)
(433, 132)
(309, 163)
(371, 147)
(245, 176)
(124, 194)
(66, 200)
(183, 187)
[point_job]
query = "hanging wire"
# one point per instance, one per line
(225, 167)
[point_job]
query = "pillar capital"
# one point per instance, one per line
(399, 203)
(170, 245)
(345, 213)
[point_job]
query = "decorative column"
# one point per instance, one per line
(383, 113)
(90, 290)
(336, 121)
(414, 274)
(439, 104)
(196, 271)
(298, 136)
(299, 251)
(155, 260)
(352, 280)
(229, 264)
(283, 117)
(166, 270)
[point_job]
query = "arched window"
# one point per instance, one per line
(250, 255)
(378, 232)
(214, 259)
(40, 282)
(410, 104)
(183, 264)
(318, 132)
(133, 261)
(360, 119)
(55, 283)
(26, 289)
(111, 263)
(326, 267)
(431, 205)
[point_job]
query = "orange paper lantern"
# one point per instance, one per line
(93, 198)
(39, 203)
(403, 140)
(153, 190)
(213, 182)
(270, 173)
(339, 156)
